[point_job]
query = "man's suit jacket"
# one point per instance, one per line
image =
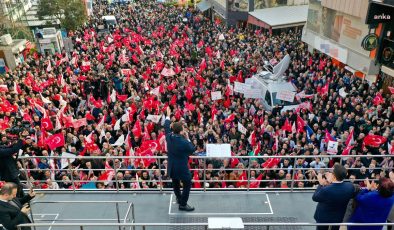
(11, 216)
(332, 201)
(178, 149)
(8, 169)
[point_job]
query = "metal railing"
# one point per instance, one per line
(130, 208)
(144, 226)
(291, 169)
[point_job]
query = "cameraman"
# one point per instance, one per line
(8, 158)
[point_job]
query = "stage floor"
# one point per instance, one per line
(161, 208)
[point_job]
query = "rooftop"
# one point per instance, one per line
(288, 15)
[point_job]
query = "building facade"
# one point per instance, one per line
(338, 28)
(14, 10)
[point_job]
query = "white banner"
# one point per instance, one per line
(253, 93)
(216, 95)
(332, 147)
(241, 128)
(241, 87)
(64, 162)
(342, 92)
(154, 118)
(218, 150)
(252, 110)
(285, 95)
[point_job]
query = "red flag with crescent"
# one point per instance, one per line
(374, 140)
(46, 124)
(55, 141)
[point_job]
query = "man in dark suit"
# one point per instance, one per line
(333, 196)
(10, 214)
(8, 168)
(179, 148)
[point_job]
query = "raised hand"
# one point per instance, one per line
(168, 111)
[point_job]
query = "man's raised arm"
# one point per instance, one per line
(9, 151)
(167, 121)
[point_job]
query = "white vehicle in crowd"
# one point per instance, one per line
(109, 21)
(273, 87)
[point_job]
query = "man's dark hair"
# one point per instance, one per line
(386, 187)
(7, 188)
(339, 172)
(177, 127)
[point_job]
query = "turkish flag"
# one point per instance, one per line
(252, 139)
(391, 89)
(137, 131)
(167, 72)
(46, 124)
(227, 102)
(222, 64)
(378, 99)
(189, 93)
(234, 161)
(203, 65)
(214, 111)
(201, 79)
(80, 122)
(347, 150)
(189, 69)
(300, 124)
(328, 137)
(4, 124)
(190, 107)
(350, 139)
(242, 180)
(287, 126)
(3, 88)
(89, 116)
(374, 140)
(55, 141)
(68, 121)
(270, 163)
(230, 118)
(171, 86)
(177, 69)
(256, 183)
(324, 89)
(149, 144)
(173, 100)
(122, 98)
(239, 77)
(195, 179)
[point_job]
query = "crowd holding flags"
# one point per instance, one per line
(108, 94)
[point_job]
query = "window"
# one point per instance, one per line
(268, 98)
(280, 102)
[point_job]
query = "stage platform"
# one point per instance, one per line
(156, 207)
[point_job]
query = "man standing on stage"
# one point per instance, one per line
(179, 148)
(332, 195)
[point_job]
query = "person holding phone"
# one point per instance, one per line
(20, 202)
(11, 215)
(179, 149)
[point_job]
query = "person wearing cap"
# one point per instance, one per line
(179, 148)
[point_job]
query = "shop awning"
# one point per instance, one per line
(204, 5)
(289, 16)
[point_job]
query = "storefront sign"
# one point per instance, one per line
(370, 42)
(379, 13)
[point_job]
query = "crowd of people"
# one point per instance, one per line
(108, 97)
